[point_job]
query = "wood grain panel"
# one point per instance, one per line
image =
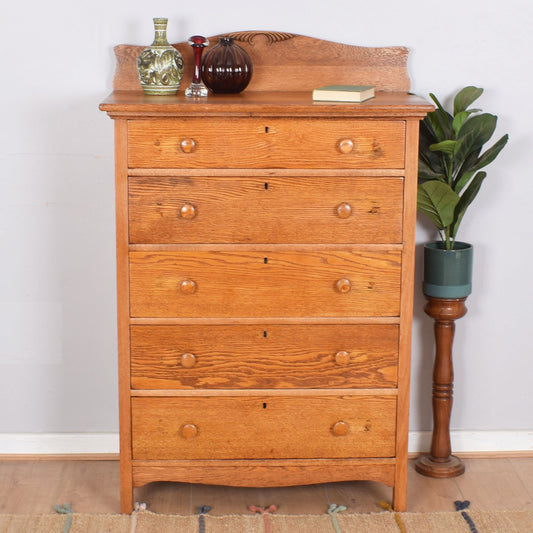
(121, 218)
(267, 473)
(288, 104)
(264, 356)
(289, 62)
(263, 427)
(234, 142)
(265, 283)
(265, 210)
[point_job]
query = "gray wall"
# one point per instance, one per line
(57, 278)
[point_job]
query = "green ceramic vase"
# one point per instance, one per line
(160, 66)
(448, 273)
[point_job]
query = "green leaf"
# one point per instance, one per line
(473, 163)
(427, 133)
(437, 200)
(490, 155)
(479, 129)
(465, 200)
(460, 184)
(465, 97)
(458, 121)
(436, 100)
(475, 132)
(434, 125)
(426, 172)
(427, 138)
(464, 167)
(448, 147)
(441, 121)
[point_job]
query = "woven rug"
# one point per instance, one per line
(385, 522)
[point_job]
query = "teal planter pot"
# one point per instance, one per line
(448, 273)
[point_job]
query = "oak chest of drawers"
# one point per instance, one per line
(265, 254)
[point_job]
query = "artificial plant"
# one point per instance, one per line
(450, 159)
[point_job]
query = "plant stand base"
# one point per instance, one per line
(450, 467)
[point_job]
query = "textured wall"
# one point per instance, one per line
(57, 279)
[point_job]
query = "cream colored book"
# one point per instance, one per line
(343, 93)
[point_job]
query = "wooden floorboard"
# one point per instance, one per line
(93, 487)
(430, 494)
(494, 480)
(524, 470)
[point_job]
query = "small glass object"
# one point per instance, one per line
(226, 68)
(197, 87)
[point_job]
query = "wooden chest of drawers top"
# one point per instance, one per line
(260, 104)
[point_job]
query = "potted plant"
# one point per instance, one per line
(451, 157)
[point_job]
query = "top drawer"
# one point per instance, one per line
(265, 143)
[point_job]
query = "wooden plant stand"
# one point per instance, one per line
(440, 463)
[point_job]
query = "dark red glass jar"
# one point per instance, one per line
(226, 68)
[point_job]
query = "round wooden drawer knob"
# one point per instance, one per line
(188, 360)
(342, 358)
(340, 429)
(188, 286)
(188, 211)
(343, 285)
(346, 146)
(344, 210)
(188, 146)
(189, 431)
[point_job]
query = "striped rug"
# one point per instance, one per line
(384, 522)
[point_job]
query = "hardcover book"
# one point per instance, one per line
(343, 93)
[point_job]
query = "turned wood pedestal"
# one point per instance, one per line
(440, 462)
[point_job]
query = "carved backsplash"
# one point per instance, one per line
(290, 62)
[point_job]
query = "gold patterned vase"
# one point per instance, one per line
(160, 66)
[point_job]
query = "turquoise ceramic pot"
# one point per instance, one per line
(448, 273)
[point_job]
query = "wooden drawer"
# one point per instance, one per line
(254, 427)
(252, 142)
(265, 210)
(264, 356)
(265, 283)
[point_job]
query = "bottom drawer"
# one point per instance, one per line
(261, 427)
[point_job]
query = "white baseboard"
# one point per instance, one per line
(476, 441)
(58, 443)
(108, 443)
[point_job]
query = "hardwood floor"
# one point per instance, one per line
(93, 487)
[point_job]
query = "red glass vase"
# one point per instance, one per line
(226, 68)
(197, 88)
